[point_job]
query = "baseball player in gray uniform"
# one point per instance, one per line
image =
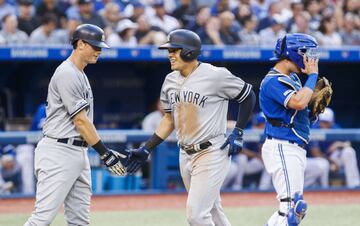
(61, 163)
(195, 99)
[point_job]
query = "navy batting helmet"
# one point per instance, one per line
(294, 46)
(91, 34)
(188, 41)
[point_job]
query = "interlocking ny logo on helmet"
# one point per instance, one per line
(186, 40)
(90, 33)
(294, 46)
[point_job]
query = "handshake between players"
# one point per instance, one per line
(124, 161)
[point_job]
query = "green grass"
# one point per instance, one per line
(320, 215)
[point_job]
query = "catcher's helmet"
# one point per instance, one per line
(186, 40)
(294, 46)
(91, 34)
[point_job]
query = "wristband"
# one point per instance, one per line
(100, 148)
(154, 141)
(311, 81)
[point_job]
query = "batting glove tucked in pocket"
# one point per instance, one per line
(235, 140)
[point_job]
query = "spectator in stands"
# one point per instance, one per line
(229, 29)
(63, 36)
(88, 15)
(249, 162)
(111, 16)
(212, 29)
(297, 8)
(349, 33)
(198, 25)
(351, 6)
(46, 33)
(26, 20)
(270, 35)
(124, 34)
(84, 11)
(274, 8)
(185, 12)
(162, 20)
(148, 35)
(301, 24)
(313, 8)
(136, 9)
(260, 8)
(248, 34)
(51, 6)
(10, 32)
(327, 34)
(241, 13)
(6, 9)
(206, 3)
(219, 7)
(152, 120)
(340, 153)
(99, 5)
(11, 170)
(327, 7)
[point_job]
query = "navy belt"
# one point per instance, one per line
(192, 149)
(79, 143)
(290, 141)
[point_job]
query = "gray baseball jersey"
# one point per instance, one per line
(199, 102)
(69, 92)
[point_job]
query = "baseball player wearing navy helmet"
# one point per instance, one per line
(284, 101)
(195, 99)
(62, 166)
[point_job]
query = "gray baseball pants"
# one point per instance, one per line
(63, 176)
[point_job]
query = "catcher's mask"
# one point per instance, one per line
(294, 46)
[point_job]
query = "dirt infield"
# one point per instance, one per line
(174, 201)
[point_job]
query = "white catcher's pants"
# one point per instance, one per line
(286, 164)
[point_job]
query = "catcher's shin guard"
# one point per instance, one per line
(298, 211)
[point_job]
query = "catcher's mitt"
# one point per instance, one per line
(321, 97)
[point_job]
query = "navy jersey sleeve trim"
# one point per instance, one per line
(79, 109)
(168, 110)
(244, 93)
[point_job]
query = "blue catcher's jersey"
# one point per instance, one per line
(275, 92)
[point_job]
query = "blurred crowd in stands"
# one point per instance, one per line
(147, 22)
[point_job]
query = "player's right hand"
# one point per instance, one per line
(112, 160)
(311, 65)
(235, 141)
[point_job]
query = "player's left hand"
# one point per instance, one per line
(137, 157)
(235, 140)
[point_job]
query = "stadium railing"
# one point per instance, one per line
(164, 169)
